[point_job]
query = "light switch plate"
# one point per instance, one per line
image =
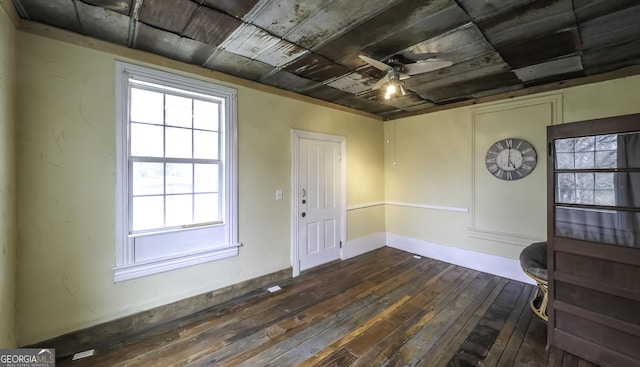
(279, 194)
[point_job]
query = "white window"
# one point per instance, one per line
(579, 157)
(175, 172)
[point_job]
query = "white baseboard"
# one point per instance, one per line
(492, 264)
(365, 244)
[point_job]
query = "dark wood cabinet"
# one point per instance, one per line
(594, 239)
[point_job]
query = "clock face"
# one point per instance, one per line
(511, 159)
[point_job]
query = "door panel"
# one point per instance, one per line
(319, 188)
(593, 252)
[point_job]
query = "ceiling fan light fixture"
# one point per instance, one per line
(393, 87)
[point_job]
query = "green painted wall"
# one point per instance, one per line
(439, 161)
(8, 236)
(66, 217)
(65, 143)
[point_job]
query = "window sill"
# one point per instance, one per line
(128, 272)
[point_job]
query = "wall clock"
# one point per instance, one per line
(511, 159)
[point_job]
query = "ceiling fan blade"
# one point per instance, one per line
(375, 63)
(381, 82)
(425, 66)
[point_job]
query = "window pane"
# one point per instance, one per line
(179, 178)
(607, 142)
(565, 145)
(585, 181)
(178, 143)
(206, 208)
(585, 144)
(565, 160)
(148, 178)
(146, 140)
(606, 159)
(584, 197)
(206, 178)
(566, 181)
(206, 145)
(605, 197)
(179, 210)
(599, 226)
(604, 181)
(205, 115)
(147, 106)
(567, 196)
(148, 212)
(178, 111)
(584, 160)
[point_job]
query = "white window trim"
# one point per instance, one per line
(126, 266)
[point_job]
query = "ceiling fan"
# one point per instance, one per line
(397, 70)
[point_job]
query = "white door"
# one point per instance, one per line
(319, 202)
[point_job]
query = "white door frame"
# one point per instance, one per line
(296, 135)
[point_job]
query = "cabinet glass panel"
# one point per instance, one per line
(597, 188)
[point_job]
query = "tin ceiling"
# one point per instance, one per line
(311, 47)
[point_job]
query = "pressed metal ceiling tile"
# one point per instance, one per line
(481, 10)
(235, 8)
(253, 42)
(464, 43)
(249, 40)
(465, 90)
(499, 90)
(237, 65)
(326, 93)
(211, 26)
(312, 46)
(59, 13)
(529, 21)
(154, 40)
(479, 67)
(119, 6)
(279, 17)
(389, 23)
(285, 80)
(612, 58)
(316, 67)
(590, 9)
(335, 18)
(408, 102)
(103, 24)
(566, 65)
(281, 53)
(611, 29)
(353, 83)
(193, 52)
(431, 26)
(364, 104)
(171, 15)
(547, 47)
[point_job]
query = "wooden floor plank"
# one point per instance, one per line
(508, 328)
(383, 308)
(450, 342)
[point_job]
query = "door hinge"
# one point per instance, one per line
(340, 244)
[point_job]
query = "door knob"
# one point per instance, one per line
(304, 214)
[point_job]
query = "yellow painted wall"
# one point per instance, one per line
(7, 183)
(66, 212)
(439, 161)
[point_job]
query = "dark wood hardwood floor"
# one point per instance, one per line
(383, 308)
